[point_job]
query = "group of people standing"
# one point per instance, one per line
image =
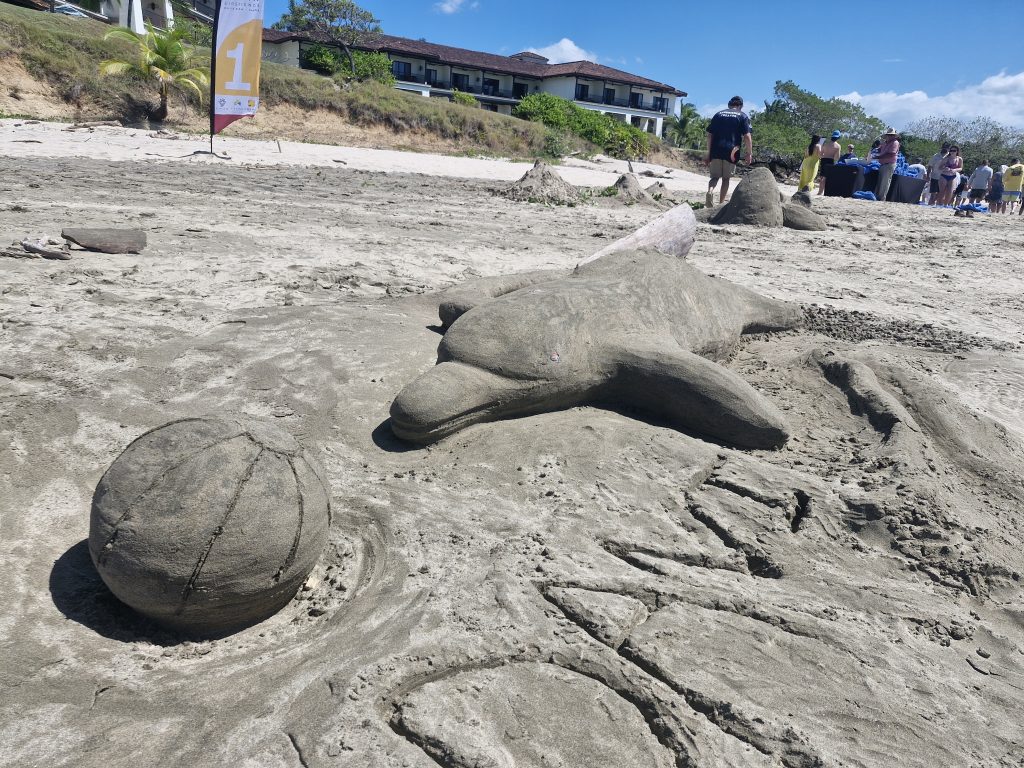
(949, 185)
(822, 154)
(729, 130)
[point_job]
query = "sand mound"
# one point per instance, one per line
(661, 194)
(542, 184)
(628, 190)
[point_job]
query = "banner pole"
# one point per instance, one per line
(213, 68)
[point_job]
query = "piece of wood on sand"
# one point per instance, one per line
(106, 239)
(48, 248)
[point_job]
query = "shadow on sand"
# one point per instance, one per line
(80, 594)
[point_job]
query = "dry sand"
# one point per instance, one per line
(577, 588)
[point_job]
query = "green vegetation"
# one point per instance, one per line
(196, 32)
(688, 130)
(374, 104)
(979, 139)
(466, 99)
(783, 129)
(336, 21)
(66, 52)
(356, 66)
(160, 55)
(614, 137)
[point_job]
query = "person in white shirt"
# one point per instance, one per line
(979, 182)
(920, 172)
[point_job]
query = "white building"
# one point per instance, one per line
(499, 82)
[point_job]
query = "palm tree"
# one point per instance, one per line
(686, 129)
(163, 56)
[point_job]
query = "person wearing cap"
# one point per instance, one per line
(888, 150)
(849, 154)
(830, 151)
(726, 131)
(935, 173)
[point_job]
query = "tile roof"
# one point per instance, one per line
(526, 63)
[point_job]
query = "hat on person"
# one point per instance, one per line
(890, 131)
(836, 135)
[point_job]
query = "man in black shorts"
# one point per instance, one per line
(726, 131)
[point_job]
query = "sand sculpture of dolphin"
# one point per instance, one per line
(635, 327)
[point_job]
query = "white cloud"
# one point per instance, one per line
(999, 97)
(451, 6)
(708, 110)
(564, 50)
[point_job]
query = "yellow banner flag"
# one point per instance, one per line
(235, 83)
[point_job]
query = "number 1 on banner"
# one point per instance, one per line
(236, 55)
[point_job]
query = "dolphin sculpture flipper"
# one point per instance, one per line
(687, 391)
(640, 329)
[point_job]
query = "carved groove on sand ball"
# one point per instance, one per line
(209, 524)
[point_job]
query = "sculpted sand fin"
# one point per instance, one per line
(698, 395)
(672, 234)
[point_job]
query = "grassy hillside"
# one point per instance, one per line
(49, 69)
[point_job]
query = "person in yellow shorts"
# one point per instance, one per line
(1013, 180)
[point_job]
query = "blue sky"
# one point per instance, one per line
(880, 54)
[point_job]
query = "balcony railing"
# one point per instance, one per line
(445, 85)
(640, 104)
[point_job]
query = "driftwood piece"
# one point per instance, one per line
(48, 249)
(17, 252)
(106, 239)
(93, 124)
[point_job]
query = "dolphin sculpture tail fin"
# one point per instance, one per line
(672, 233)
(700, 396)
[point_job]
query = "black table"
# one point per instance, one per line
(905, 189)
(902, 189)
(841, 180)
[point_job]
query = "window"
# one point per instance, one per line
(401, 69)
(609, 95)
(491, 87)
(636, 100)
(431, 76)
(460, 82)
(582, 92)
(519, 90)
(660, 104)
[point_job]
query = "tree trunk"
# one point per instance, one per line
(351, 59)
(160, 113)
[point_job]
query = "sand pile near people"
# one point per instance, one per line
(542, 184)
(628, 190)
(664, 195)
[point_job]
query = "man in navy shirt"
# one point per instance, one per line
(725, 132)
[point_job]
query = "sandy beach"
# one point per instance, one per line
(850, 598)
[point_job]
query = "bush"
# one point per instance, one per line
(320, 59)
(369, 66)
(617, 138)
(459, 97)
(556, 143)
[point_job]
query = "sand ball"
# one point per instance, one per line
(209, 524)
